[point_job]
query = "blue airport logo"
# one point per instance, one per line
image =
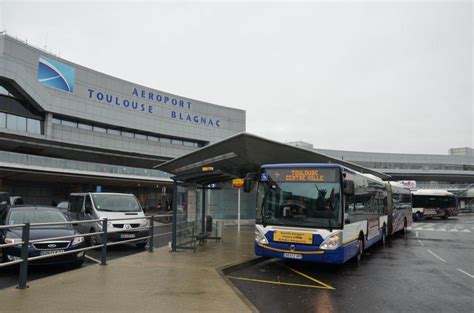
(55, 74)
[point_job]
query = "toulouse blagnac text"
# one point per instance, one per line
(148, 108)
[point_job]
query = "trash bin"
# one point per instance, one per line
(219, 229)
(208, 224)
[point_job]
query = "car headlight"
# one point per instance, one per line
(12, 240)
(260, 238)
(143, 223)
(332, 242)
(77, 240)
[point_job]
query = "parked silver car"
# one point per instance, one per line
(98, 205)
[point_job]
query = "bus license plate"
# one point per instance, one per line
(49, 252)
(293, 256)
(127, 236)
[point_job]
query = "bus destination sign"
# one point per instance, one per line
(303, 174)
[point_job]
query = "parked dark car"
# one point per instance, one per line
(40, 214)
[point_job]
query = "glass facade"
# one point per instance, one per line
(126, 133)
(34, 160)
(415, 166)
(20, 123)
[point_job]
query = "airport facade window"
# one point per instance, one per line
(3, 120)
(127, 133)
(414, 166)
(20, 123)
(84, 126)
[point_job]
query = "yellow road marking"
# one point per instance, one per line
(279, 283)
(308, 277)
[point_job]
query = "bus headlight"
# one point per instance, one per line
(260, 238)
(332, 242)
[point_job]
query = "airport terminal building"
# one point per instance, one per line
(67, 128)
(453, 171)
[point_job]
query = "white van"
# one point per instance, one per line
(99, 205)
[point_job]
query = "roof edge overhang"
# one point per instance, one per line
(225, 150)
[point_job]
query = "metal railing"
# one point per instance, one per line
(26, 242)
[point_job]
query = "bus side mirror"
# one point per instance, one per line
(247, 184)
(348, 187)
(248, 181)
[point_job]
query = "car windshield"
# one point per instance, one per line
(299, 202)
(35, 216)
(116, 203)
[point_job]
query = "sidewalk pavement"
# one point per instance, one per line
(144, 282)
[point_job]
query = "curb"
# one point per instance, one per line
(223, 271)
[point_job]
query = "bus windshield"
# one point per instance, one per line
(285, 199)
(433, 202)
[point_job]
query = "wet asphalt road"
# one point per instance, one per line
(9, 275)
(432, 270)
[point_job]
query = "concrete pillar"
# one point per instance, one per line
(48, 125)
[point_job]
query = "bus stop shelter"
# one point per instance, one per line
(230, 158)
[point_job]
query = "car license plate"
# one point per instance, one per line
(127, 236)
(49, 252)
(293, 237)
(293, 256)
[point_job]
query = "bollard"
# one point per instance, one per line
(103, 250)
(25, 237)
(151, 231)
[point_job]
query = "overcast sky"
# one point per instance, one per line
(386, 77)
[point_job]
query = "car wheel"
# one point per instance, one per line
(141, 245)
(78, 262)
(4, 257)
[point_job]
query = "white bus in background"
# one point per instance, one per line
(428, 203)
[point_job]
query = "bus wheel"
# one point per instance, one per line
(445, 215)
(405, 231)
(418, 215)
(360, 249)
(384, 236)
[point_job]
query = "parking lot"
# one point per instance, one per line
(431, 270)
(9, 275)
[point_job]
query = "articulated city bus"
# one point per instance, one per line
(399, 207)
(323, 212)
(434, 203)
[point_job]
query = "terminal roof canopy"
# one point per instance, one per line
(245, 153)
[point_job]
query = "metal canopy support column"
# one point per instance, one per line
(238, 209)
(203, 209)
(175, 216)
